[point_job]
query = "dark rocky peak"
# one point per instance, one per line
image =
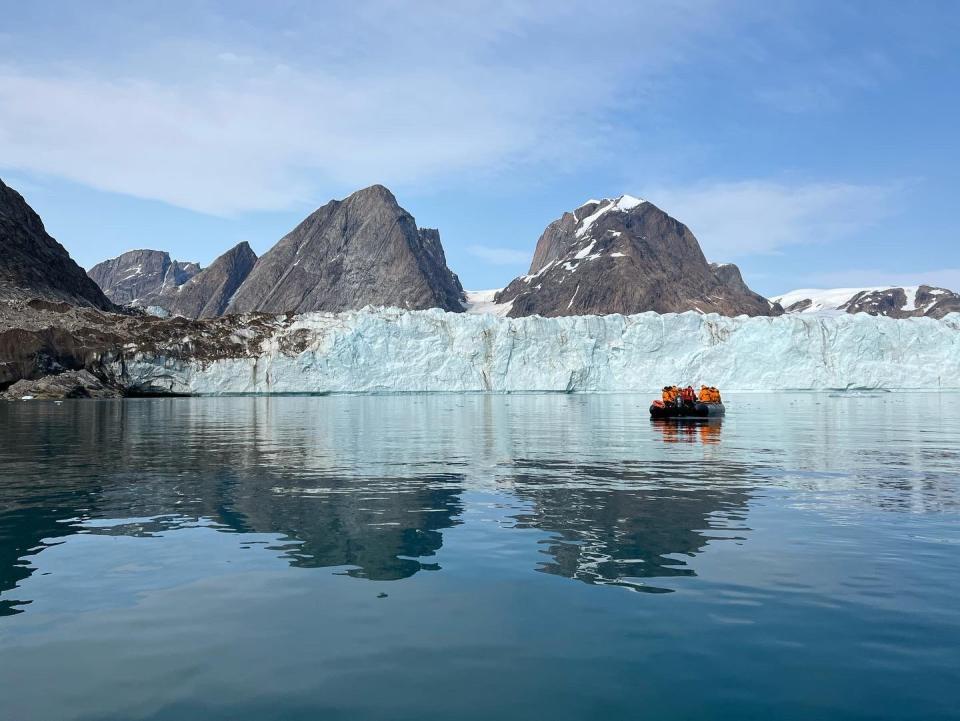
(729, 276)
(625, 255)
(34, 265)
(894, 302)
(799, 306)
(936, 302)
(207, 294)
(362, 250)
(911, 302)
(138, 277)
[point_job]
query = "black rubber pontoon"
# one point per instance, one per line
(687, 410)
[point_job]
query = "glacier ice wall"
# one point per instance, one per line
(395, 350)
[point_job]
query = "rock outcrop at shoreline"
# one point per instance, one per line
(68, 384)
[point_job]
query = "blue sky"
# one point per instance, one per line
(813, 143)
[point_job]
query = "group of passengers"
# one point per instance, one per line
(675, 395)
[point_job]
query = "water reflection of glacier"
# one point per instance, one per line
(373, 483)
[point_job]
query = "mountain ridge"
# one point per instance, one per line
(208, 293)
(891, 301)
(137, 277)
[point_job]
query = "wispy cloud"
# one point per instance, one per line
(500, 256)
(732, 219)
(826, 84)
(865, 277)
(389, 96)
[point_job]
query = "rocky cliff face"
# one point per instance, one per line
(34, 265)
(625, 255)
(904, 302)
(364, 250)
(208, 293)
(139, 277)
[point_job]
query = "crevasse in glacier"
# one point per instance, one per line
(395, 350)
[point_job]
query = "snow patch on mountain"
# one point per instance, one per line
(483, 301)
(621, 205)
(820, 299)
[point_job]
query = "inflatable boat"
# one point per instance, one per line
(659, 410)
(680, 402)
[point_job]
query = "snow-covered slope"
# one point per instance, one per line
(821, 299)
(484, 301)
(894, 301)
(394, 350)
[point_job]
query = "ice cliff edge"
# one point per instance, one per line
(395, 350)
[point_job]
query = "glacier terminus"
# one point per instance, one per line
(392, 350)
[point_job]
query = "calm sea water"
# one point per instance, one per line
(477, 557)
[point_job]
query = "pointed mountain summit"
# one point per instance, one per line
(363, 250)
(625, 255)
(138, 277)
(207, 294)
(34, 265)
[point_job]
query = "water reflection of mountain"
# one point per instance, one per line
(293, 477)
(624, 524)
(369, 484)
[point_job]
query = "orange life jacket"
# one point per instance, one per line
(670, 394)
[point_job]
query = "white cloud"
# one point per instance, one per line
(733, 219)
(350, 96)
(500, 256)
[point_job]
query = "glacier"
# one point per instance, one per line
(390, 350)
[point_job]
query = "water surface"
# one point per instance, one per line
(480, 556)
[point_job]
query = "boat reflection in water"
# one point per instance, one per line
(626, 523)
(690, 430)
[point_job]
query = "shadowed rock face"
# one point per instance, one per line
(139, 277)
(34, 265)
(625, 255)
(364, 250)
(208, 293)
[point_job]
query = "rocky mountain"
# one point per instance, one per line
(902, 302)
(138, 277)
(207, 294)
(363, 250)
(625, 255)
(34, 265)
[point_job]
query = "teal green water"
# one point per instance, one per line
(477, 557)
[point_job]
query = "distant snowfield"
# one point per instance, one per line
(833, 299)
(390, 350)
(822, 298)
(481, 301)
